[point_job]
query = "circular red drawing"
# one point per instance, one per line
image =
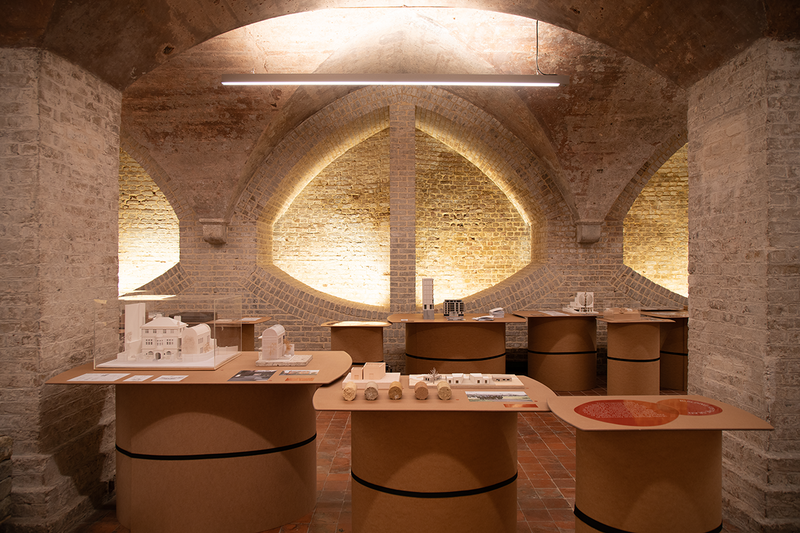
(628, 412)
(691, 407)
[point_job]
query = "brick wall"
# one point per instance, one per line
(59, 153)
(656, 228)
(148, 227)
(743, 280)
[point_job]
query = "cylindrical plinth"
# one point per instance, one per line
(633, 358)
(654, 481)
(362, 344)
(209, 458)
(462, 346)
(562, 352)
(434, 471)
(674, 354)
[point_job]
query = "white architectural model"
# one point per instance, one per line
(163, 340)
(458, 380)
(454, 309)
(371, 372)
(275, 351)
(427, 298)
(584, 303)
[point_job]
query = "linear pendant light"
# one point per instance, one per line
(473, 80)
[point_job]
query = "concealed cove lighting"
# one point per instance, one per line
(466, 80)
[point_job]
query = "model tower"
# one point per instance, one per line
(427, 298)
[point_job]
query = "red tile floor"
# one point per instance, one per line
(545, 487)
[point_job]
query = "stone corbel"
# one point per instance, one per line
(589, 231)
(215, 230)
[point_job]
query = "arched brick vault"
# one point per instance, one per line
(464, 128)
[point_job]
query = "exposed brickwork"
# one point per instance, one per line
(657, 227)
(743, 277)
(402, 198)
(468, 235)
(60, 147)
(335, 235)
(148, 227)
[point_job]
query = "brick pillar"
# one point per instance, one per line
(59, 155)
(402, 217)
(744, 234)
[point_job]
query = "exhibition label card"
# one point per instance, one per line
(139, 378)
(99, 377)
(253, 375)
(506, 396)
(170, 378)
(299, 372)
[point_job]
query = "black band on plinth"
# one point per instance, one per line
(634, 360)
(228, 455)
(455, 360)
(676, 353)
(603, 528)
(562, 353)
(432, 495)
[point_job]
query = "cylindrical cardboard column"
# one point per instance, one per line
(434, 471)
(674, 354)
(209, 458)
(633, 358)
(562, 352)
(456, 347)
(362, 344)
(654, 481)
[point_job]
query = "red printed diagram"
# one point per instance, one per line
(640, 413)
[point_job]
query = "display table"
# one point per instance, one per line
(363, 341)
(562, 349)
(434, 465)
(454, 345)
(633, 354)
(206, 454)
(239, 332)
(650, 463)
(674, 348)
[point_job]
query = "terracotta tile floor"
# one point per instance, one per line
(545, 487)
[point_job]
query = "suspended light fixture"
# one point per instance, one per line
(464, 80)
(474, 80)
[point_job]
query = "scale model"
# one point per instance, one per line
(371, 373)
(473, 380)
(165, 341)
(583, 303)
(275, 351)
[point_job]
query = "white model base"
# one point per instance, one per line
(384, 383)
(295, 360)
(471, 381)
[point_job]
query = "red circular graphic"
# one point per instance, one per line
(691, 407)
(628, 412)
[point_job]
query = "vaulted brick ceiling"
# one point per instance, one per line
(629, 64)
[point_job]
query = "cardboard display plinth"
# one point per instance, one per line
(564, 372)
(675, 354)
(654, 481)
(460, 346)
(364, 345)
(434, 471)
(633, 358)
(562, 349)
(200, 457)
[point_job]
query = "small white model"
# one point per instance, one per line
(427, 298)
(371, 372)
(583, 303)
(163, 339)
(473, 380)
(275, 351)
(454, 309)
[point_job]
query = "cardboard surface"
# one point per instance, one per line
(363, 341)
(638, 341)
(416, 452)
(647, 481)
(440, 318)
(329, 398)
(331, 366)
(562, 350)
(692, 410)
